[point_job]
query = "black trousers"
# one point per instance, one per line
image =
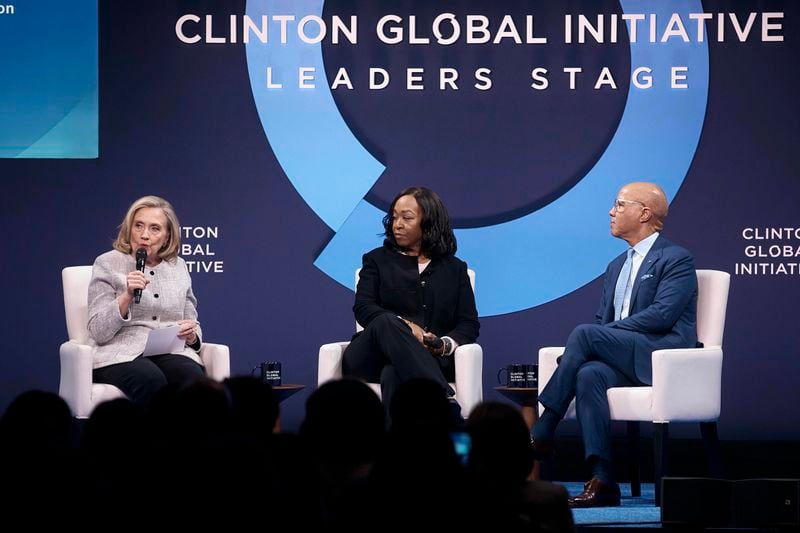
(387, 352)
(141, 378)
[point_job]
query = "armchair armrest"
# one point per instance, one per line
(330, 361)
(547, 363)
(76, 377)
(687, 384)
(217, 360)
(469, 376)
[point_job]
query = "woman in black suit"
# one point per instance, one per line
(414, 299)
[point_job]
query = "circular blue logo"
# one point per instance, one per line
(520, 263)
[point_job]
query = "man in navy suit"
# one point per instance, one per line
(649, 303)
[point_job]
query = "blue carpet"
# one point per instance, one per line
(639, 512)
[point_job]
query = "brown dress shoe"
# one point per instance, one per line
(596, 494)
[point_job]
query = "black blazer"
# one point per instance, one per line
(440, 300)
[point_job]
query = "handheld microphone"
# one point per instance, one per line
(434, 342)
(141, 259)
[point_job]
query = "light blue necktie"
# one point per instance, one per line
(622, 284)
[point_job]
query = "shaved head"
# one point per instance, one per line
(652, 196)
(639, 211)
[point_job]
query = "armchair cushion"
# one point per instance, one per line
(468, 361)
(687, 386)
(469, 372)
(76, 386)
(82, 395)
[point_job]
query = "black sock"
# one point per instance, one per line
(602, 469)
(544, 430)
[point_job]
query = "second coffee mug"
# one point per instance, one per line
(270, 372)
(520, 375)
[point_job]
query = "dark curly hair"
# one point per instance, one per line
(438, 239)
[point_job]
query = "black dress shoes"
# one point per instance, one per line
(596, 494)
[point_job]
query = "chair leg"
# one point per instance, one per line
(660, 438)
(633, 459)
(708, 430)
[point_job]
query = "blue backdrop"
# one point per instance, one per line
(291, 181)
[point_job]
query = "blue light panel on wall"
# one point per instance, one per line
(48, 79)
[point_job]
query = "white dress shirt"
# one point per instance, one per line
(639, 252)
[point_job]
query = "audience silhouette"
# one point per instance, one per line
(208, 453)
(500, 464)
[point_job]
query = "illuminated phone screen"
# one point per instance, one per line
(462, 444)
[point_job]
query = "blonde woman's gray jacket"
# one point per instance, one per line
(166, 299)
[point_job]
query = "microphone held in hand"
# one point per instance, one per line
(141, 259)
(432, 341)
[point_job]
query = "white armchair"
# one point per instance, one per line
(76, 385)
(687, 383)
(468, 361)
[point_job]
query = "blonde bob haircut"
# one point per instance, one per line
(172, 244)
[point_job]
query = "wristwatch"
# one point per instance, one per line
(448, 346)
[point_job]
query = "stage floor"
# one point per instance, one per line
(633, 512)
(641, 513)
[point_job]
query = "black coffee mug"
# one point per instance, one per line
(520, 375)
(530, 374)
(270, 372)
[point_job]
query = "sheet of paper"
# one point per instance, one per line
(164, 340)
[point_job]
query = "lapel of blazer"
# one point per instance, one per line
(650, 260)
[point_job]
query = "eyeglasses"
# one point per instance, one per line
(619, 205)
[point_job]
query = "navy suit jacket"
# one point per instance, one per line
(663, 306)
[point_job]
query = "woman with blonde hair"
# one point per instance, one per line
(119, 325)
